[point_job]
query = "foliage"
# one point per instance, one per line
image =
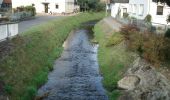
(166, 1)
(116, 38)
(27, 66)
(168, 19)
(154, 48)
(125, 15)
(89, 5)
(31, 9)
(8, 89)
(167, 33)
(148, 18)
(26, 9)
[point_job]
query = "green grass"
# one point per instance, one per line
(113, 59)
(27, 66)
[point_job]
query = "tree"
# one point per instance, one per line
(88, 4)
(164, 1)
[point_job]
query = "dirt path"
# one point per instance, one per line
(76, 73)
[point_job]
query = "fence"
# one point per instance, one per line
(8, 30)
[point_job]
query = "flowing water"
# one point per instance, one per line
(76, 73)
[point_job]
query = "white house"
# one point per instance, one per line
(119, 7)
(47, 6)
(141, 8)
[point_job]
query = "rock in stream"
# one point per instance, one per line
(76, 73)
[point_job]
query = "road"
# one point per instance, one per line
(25, 25)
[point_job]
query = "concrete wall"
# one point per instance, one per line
(8, 30)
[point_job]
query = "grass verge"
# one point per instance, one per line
(113, 58)
(27, 66)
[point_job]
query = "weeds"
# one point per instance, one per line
(27, 66)
(113, 58)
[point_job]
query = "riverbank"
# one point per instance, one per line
(113, 57)
(127, 76)
(26, 67)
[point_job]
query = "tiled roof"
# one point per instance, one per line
(7, 1)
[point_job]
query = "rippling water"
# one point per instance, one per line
(76, 73)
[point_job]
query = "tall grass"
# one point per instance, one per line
(27, 66)
(113, 59)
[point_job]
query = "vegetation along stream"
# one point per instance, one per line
(76, 73)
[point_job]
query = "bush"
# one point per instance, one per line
(152, 47)
(125, 15)
(8, 89)
(31, 9)
(116, 38)
(167, 33)
(148, 18)
(100, 7)
(126, 30)
(168, 18)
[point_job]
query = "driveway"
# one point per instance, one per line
(25, 25)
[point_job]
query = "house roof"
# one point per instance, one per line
(119, 1)
(7, 1)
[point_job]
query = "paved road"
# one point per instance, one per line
(25, 25)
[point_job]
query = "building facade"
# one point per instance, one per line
(139, 9)
(47, 6)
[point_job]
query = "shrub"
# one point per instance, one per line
(126, 30)
(100, 7)
(125, 15)
(148, 18)
(116, 38)
(8, 89)
(168, 18)
(154, 48)
(31, 9)
(167, 33)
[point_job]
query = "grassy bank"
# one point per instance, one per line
(113, 57)
(27, 66)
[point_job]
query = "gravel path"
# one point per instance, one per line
(76, 73)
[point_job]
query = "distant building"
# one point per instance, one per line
(6, 4)
(140, 9)
(119, 7)
(47, 6)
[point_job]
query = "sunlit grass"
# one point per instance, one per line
(113, 59)
(28, 65)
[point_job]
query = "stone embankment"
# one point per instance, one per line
(143, 82)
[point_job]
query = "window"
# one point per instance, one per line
(141, 9)
(131, 10)
(159, 10)
(56, 6)
(135, 8)
(124, 10)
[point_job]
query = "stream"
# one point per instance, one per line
(76, 73)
